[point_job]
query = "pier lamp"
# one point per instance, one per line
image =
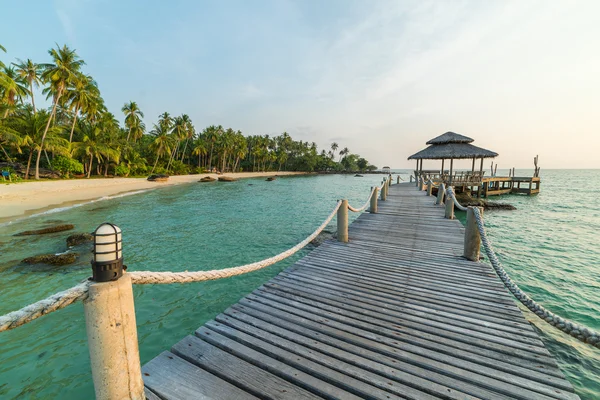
(107, 263)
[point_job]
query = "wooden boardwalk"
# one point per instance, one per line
(396, 313)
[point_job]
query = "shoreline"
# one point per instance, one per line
(27, 198)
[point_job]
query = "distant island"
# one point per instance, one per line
(77, 136)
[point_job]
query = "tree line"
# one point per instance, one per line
(77, 135)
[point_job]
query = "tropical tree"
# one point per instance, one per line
(133, 118)
(31, 73)
(60, 74)
(14, 89)
(162, 141)
(82, 95)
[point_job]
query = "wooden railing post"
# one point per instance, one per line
(110, 322)
(472, 237)
(373, 206)
(429, 188)
(449, 214)
(398, 180)
(342, 222)
(112, 340)
(440, 194)
(385, 191)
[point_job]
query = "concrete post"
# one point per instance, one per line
(429, 188)
(440, 194)
(373, 206)
(112, 340)
(472, 237)
(342, 222)
(449, 208)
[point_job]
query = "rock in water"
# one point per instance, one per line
(52, 259)
(358, 175)
(207, 179)
(271, 178)
(52, 229)
(158, 178)
(226, 179)
(79, 238)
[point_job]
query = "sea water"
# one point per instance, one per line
(549, 246)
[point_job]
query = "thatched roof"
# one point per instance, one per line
(450, 137)
(452, 150)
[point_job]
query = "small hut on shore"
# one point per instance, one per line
(452, 146)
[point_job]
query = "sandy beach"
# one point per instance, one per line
(25, 198)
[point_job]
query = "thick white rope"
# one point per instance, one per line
(450, 193)
(80, 292)
(151, 277)
(55, 302)
(580, 332)
(364, 207)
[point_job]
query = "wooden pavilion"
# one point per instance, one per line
(452, 146)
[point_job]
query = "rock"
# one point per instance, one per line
(469, 201)
(79, 238)
(158, 178)
(358, 175)
(52, 229)
(270, 179)
(322, 237)
(226, 179)
(52, 259)
(207, 179)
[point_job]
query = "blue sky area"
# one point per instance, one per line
(520, 77)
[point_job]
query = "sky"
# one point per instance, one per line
(379, 77)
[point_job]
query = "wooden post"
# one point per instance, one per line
(342, 222)
(442, 173)
(398, 180)
(429, 188)
(112, 340)
(373, 206)
(385, 190)
(440, 194)
(472, 237)
(449, 214)
(473, 167)
(451, 166)
(417, 174)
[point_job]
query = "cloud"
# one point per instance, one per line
(67, 26)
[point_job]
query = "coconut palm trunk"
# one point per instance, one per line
(73, 125)
(89, 171)
(37, 161)
(28, 164)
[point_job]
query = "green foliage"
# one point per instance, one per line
(122, 170)
(67, 166)
(81, 135)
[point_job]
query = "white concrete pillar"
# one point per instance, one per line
(472, 237)
(429, 188)
(449, 214)
(373, 206)
(112, 340)
(342, 222)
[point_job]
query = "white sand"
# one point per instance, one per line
(24, 198)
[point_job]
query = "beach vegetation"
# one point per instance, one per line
(72, 132)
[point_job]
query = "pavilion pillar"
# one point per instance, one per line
(417, 174)
(451, 168)
(442, 172)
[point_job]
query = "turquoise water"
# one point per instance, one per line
(550, 242)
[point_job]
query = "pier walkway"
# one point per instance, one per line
(394, 313)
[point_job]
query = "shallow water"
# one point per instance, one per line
(549, 242)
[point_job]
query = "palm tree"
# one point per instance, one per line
(200, 149)
(31, 127)
(81, 96)
(10, 138)
(343, 153)
(161, 142)
(60, 74)
(14, 89)
(334, 147)
(31, 72)
(94, 145)
(133, 116)
(189, 132)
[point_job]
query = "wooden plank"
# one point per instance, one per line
(284, 371)
(237, 372)
(170, 377)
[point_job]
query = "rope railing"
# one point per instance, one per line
(80, 292)
(580, 332)
(151, 277)
(450, 193)
(364, 206)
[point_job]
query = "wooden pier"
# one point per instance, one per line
(395, 313)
